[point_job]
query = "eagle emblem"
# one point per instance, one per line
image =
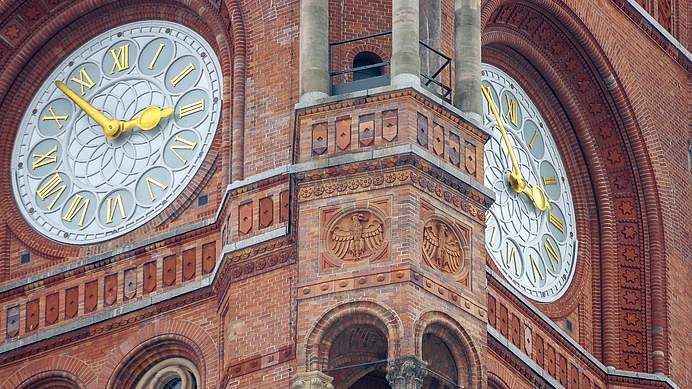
(441, 247)
(356, 236)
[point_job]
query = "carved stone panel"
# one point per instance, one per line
(71, 302)
(438, 140)
(356, 236)
(13, 322)
(284, 204)
(245, 218)
(32, 315)
(319, 139)
(52, 308)
(442, 247)
(149, 277)
(343, 133)
(454, 149)
(470, 160)
(189, 264)
(208, 257)
(266, 211)
(366, 130)
(422, 130)
(130, 283)
(169, 269)
(390, 128)
(91, 295)
(110, 290)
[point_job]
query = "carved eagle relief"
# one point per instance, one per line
(356, 236)
(441, 248)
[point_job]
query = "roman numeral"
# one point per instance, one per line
(535, 136)
(156, 56)
(51, 187)
(187, 145)
(182, 74)
(84, 80)
(512, 110)
(111, 205)
(150, 181)
(549, 180)
(559, 224)
(55, 117)
(121, 59)
(191, 108)
(77, 205)
(553, 254)
(44, 159)
(535, 268)
(512, 257)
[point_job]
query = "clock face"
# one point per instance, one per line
(155, 89)
(535, 249)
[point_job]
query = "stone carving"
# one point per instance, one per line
(312, 380)
(406, 372)
(356, 235)
(441, 247)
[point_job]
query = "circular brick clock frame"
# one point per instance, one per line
(558, 62)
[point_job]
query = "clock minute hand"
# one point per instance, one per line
(111, 127)
(516, 179)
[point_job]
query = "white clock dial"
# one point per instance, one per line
(535, 249)
(72, 182)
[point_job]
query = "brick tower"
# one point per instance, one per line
(318, 194)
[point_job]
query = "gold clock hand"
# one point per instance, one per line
(111, 127)
(516, 179)
(148, 119)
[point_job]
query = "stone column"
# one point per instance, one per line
(467, 57)
(312, 380)
(314, 50)
(405, 65)
(406, 372)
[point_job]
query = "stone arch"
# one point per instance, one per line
(459, 343)
(333, 322)
(68, 25)
(561, 65)
(170, 338)
(70, 372)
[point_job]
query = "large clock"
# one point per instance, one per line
(116, 132)
(530, 229)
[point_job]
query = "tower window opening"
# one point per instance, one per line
(363, 65)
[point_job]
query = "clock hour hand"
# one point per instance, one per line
(516, 179)
(148, 119)
(111, 127)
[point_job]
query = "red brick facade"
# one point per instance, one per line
(254, 288)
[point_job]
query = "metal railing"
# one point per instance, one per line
(346, 82)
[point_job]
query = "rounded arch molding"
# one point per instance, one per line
(158, 342)
(457, 340)
(65, 371)
(560, 64)
(332, 322)
(57, 31)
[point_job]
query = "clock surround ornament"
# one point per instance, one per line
(117, 132)
(531, 228)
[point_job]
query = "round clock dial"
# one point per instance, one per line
(117, 132)
(534, 245)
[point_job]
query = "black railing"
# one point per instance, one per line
(347, 81)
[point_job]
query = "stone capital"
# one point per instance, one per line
(406, 372)
(312, 380)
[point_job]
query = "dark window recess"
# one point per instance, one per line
(25, 258)
(568, 324)
(203, 200)
(364, 59)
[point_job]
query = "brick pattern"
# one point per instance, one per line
(400, 118)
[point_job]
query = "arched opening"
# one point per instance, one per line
(442, 368)
(358, 358)
(365, 62)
